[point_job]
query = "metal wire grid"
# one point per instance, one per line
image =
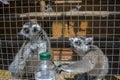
(105, 30)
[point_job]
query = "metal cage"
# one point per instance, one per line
(62, 19)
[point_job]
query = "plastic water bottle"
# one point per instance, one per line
(43, 71)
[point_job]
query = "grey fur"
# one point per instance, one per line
(93, 61)
(27, 58)
(49, 8)
(4, 1)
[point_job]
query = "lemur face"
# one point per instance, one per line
(30, 30)
(80, 44)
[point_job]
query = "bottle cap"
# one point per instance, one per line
(45, 56)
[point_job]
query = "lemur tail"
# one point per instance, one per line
(48, 41)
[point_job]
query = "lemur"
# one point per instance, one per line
(4, 2)
(27, 58)
(93, 62)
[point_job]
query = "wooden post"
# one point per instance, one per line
(83, 25)
(83, 28)
(71, 29)
(42, 6)
(69, 13)
(66, 34)
(56, 29)
(67, 1)
(59, 29)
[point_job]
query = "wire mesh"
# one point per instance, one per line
(99, 19)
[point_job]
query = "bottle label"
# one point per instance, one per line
(38, 76)
(44, 79)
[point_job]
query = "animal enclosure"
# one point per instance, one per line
(61, 20)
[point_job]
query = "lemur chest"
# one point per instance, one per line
(34, 48)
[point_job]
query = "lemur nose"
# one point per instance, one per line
(19, 35)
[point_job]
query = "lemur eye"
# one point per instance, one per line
(26, 30)
(77, 42)
(34, 29)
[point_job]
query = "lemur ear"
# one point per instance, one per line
(89, 41)
(37, 27)
(71, 39)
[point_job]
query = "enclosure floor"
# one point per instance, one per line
(118, 77)
(5, 75)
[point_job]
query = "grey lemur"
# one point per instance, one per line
(27, 58)
(4, 2)
(93, 62)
